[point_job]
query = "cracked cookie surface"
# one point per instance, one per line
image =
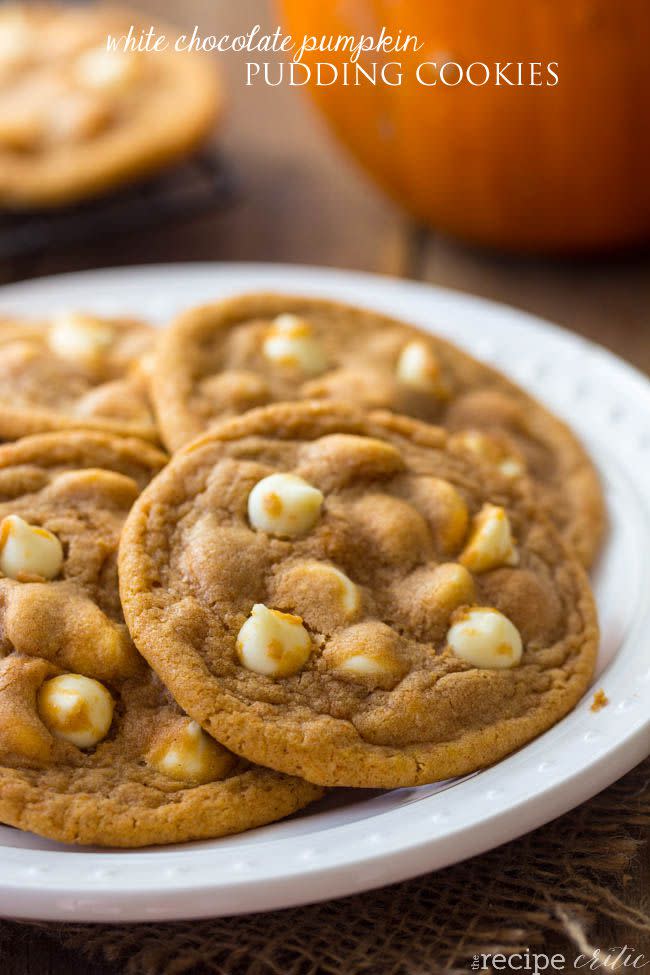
(223, 359)
(75, 371)
(93, 750)
(343, 596)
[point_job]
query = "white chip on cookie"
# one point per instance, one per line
(102, 69)
(419, 368)
(273, 643)
(327, 578)
(80, 337)
(450, 585)
(28, 550)
(490, 450)
(285, 505)
(490, 544)
(366, 653)
(485, 638)
(445, 510)
(291, 342)
(367, 665)
(75, 708)
(189, 755)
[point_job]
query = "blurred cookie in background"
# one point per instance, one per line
(78, 120)
(75, 371)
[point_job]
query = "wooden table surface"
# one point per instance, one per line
(301, 200)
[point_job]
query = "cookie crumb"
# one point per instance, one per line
(600, 701)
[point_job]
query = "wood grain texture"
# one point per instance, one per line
(302, 200)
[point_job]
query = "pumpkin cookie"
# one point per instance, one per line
(77, 370)
(339, 595)
(77, 119)
(222, 359)
(92, 747)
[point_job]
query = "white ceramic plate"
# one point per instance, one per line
(353, 841)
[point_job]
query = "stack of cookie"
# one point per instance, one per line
(363, 565)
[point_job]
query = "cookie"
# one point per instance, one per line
(77, 119)
(339, 595)
(76, 370)
(222, 359)
(93, 750)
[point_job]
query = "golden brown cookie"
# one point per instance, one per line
(340, 595)
(77, 119)
(92, 747)
(223, 359)
(77, 370)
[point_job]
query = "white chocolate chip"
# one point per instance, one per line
(488, 449)
(485, 638)
(80, 337)
(511, 467)
(291, 342)
(28, 550)
(419, 368)
(328, 577)
(273, 643)
(448, 586)
(349, 592)
(445, 510)
(102, 69)
(490, 543)
(76, 709)
(189, 755)
(324, 596)
(284, 504)
(366, 666)
(366, 653)
(291, 325)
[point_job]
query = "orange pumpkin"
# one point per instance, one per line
(545, 169)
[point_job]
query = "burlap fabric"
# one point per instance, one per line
(568, 883)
